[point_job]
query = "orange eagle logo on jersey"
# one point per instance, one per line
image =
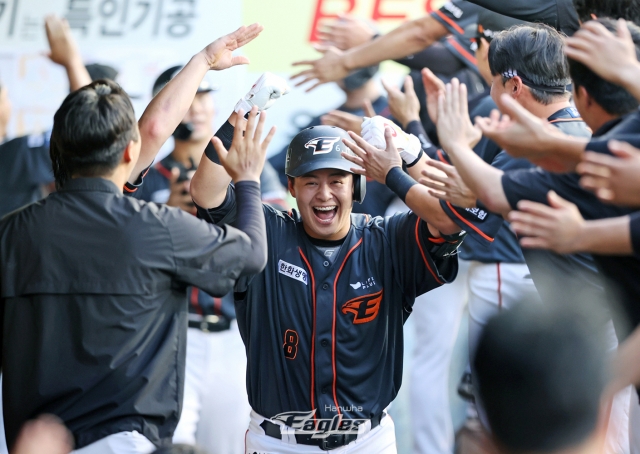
(364, 308)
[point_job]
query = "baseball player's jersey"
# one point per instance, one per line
(559, 14)
(535, 183)
(25, 166)
(323, 323)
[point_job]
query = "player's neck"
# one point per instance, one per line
(187, 150)
(545, 111)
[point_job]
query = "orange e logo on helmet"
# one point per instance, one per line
(322, 145)
(364, 308)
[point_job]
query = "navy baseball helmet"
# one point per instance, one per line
(164, 78)
(320, 147)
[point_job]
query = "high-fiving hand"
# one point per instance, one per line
(219, 54)
(245, 158)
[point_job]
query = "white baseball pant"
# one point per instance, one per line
(215, 411)
(381, 440)
(120, 443)
(436, 316)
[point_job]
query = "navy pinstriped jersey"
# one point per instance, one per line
(327, 333)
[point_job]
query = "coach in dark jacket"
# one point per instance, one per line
(92, 283)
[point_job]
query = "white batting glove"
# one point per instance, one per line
(407, 145)
(264, 93)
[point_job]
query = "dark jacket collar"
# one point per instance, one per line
(90, 185)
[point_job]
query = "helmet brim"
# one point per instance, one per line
(339, 164)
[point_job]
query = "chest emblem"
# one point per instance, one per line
(364, 308)
(292, 271)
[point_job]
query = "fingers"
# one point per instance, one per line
(594, 169)
(357, 150)
(435, 177)
(463, 100)
(388, 138)
(220, 149)
(536, 209)
(321, 48)
(354, 159)
(368, 108)
(558, 202)
(240, 127)
(449, 170)
(251, 123)
(408, 85)
(267, 140)
(239, 60)
(257, 135)
(431, 81)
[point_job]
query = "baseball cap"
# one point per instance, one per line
(489, 24)
(164, 78)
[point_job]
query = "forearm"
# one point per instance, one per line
(251, 221)
(209, 184)
(418, 199)
(407, 39)
(482, 179)
(626, 367)
(606, 236)
(77, 73)
(167, 109)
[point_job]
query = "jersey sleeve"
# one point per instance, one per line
(414, 267)
(132, 188)
(559, 14)
(478, 222)
(226, 213)
(456, 15)
(525, 184)
(206, 256)
(635, 232)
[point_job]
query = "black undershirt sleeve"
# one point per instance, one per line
(250, 220)
(435, 57)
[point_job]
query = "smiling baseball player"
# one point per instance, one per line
(322, 325)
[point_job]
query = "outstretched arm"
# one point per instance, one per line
(64, 51)
(523, 135)
(407, 39)
(169, 107)
(561, 228)
(457, 136)
(385, 166)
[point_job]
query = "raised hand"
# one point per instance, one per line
(454, 126)
(434, 87)
(449, 187)
(328, 68)
(62, 47)
(219, 54)
(523, 135)
(245, 158)
(611, 56)
(346, 32)
(614, 179)
(373, 162)
(405, 107)
(343, 120)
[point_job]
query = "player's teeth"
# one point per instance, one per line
(325, 208)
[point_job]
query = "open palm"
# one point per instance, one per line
(220, 52)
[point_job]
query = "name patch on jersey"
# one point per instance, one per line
(292, 271)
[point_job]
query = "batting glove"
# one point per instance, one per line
(264, 93)
(407, 145)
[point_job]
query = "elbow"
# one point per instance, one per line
(447, 227)
(490, 202)
(151, 129)
(423, 34)
(256, 263)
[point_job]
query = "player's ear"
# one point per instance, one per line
(290, 186)
(129, 153)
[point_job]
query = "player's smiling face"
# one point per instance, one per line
(324, 199)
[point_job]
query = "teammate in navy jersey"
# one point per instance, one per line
(313, 321)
